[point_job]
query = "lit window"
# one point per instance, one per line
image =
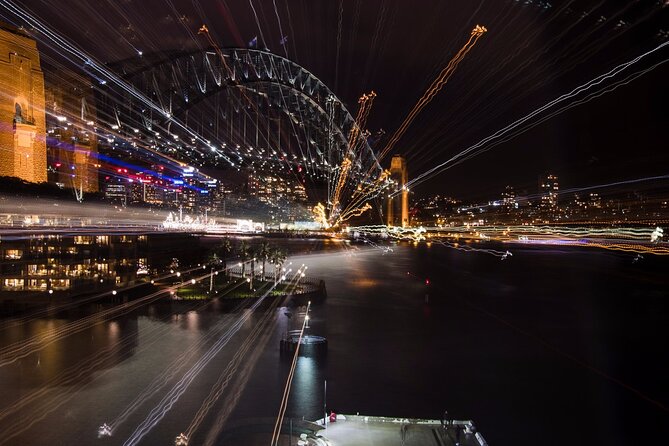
(37, 284)
(37, 270)
(60, 284)
(13, 284)
(13, 254)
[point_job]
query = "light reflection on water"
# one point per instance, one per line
(308, 382)
(192, 320)
(389, 352)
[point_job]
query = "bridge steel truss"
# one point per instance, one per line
(179, 81)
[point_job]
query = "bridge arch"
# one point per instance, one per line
(266, 83)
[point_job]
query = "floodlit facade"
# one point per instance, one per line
(22, 122)
(398, 205)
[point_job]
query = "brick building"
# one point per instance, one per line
(22, 121)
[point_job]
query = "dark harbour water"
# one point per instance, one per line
(552, 346)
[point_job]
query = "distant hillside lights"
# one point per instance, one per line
(21, 108)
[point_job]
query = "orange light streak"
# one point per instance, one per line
(365, 102)
(434, 88)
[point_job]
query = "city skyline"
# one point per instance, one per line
(593, 156)
(334, 222)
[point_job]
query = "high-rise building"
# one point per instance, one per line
(509, 198)
(398, 206)
(116, 192)
(22, 123)
(595, 200)
(274, 189)
(549, 189)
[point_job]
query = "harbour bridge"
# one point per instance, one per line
(236, 107)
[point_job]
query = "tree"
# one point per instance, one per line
(278, 258)
(243, 251)
(214, 260)
(223, 250)
(252, 255)
(264, 252)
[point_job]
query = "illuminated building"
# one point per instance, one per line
(22, 133)
(398, 205)
(208, 198)
(595, 200)
(71, 137)
(62, 263)
(154, 194)
(116, 193)
(69, 264)
(509, 198)
(136, 191)
(188, 197)
(549, 188)
(272, 189)
(198, 194)
(273, 197)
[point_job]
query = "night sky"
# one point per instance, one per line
(533, 52)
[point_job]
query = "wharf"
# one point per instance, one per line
(358, 430)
